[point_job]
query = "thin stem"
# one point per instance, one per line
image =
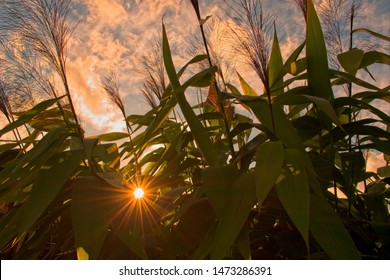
(220, 103)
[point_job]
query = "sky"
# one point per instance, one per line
(111, 35)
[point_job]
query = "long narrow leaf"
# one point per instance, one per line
(242, 199)
(316, 55)
(380, 36)
(28, 115)
(293, 192)
(275, 66)
(198, 131)
(49, 182)
(269, 163)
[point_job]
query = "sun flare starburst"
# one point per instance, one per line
(139, 193)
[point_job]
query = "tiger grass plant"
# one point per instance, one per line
(280, 184)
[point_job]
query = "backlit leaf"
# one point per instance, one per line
(351, 60)
(28, 115)
(316, 56)
(275, 66)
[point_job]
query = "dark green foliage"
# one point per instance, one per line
(287, 182)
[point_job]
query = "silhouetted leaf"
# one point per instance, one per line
(49, 182)
(328, 230)
(293, 192)
(242, 197)
(269, 163)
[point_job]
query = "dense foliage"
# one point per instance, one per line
(280, 184)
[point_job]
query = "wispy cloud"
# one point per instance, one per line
(111, 34)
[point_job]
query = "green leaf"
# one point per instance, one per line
(324, 106)
(88, 146)
(293, 192)
(243, 243)
(275, 66)
(49, 182)
(242, 199)
(289, 66)
(246, 88)
(316, 56)
(92, 208)
(367, 96)
(353, 164)
(360, 104)
(28, 115)
(217, 182)
(351, 60)
(344, 78)
(384, 171)
(375, 57)
(192, 227)
(111, 136)
(328, 230)
(202, 79)
(199, 132)
(375, 203)
(269, 163)
(380, 36)
(81, 254)
(108, 154)
(9, 226)
(32, 161)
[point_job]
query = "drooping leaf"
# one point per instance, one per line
(344, 78)
(372, 57)
(32, 161)
(361, 104)
(28, 115)
(380, 36)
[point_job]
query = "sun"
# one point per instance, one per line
(139, 193)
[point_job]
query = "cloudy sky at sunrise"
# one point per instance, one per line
(112, 34)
